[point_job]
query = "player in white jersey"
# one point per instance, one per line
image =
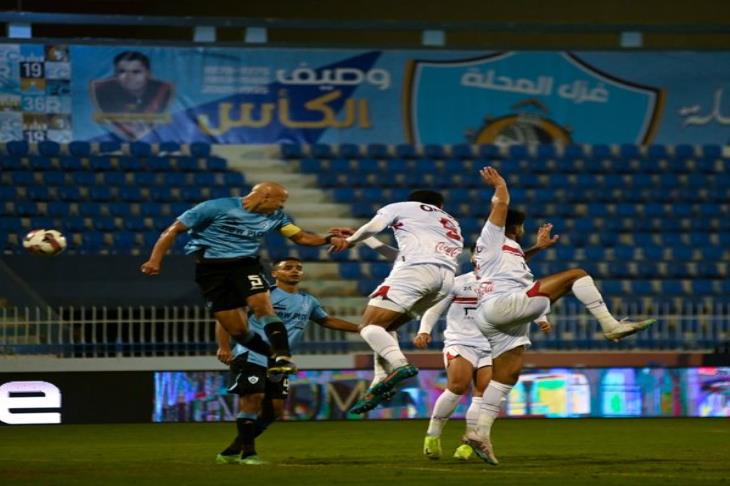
(510, 298)
(429, 243)
(467, 357)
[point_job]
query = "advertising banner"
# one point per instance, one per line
(265, 95)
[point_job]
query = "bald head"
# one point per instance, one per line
(266, 197)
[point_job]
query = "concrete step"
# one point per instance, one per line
(316, 210)
(330, 288)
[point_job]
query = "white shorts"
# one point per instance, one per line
(478, 357)
(413, 289)
(505, 319)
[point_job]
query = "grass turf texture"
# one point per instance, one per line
(587, 451)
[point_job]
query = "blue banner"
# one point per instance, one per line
(239, 95)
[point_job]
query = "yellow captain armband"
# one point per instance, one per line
(289, 230)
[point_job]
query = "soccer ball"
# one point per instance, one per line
(44, 242)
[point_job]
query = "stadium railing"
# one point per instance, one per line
(76, 332)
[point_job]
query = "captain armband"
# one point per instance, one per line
(289, 230)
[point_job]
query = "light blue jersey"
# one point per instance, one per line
(222, 228)
(295, 310)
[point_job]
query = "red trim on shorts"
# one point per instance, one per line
(513, 250)
(534, 291)
(449, 356)
(381, 291)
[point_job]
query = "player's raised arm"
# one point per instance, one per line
(544, 240)
(500, 200)
(162, 246)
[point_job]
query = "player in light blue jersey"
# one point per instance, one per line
(262, 397)
(226, 235)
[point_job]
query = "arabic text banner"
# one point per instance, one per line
(239, 95)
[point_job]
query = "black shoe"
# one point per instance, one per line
(282, 366)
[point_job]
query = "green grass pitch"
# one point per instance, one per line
(586, 451)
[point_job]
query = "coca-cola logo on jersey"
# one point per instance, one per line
(484, 288)
(445, 249)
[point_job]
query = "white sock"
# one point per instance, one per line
(384, 344)
(492, 399)
(585, 290)
(443, 408)
(381, 369)
(472, 413)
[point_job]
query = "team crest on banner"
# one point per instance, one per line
(532, 97)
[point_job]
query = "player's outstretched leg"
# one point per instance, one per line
(585, 290)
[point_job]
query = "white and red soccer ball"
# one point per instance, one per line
(44, 242)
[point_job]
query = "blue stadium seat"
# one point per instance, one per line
(11, 163)
(92, 241)
(200, 149)
(291, 151)
(488, 151)
(100, 163)
(168, 147)
(655, 152)
(109, 147)
(349, 151)
(350, 270)
(322, 151)
(69, 193)
(546, 151)
(151, 209)
(157, 164)
(340, 165)
(79, 149)
(518, 152)
(26, 208)
(131, 194)
(377, 151)
(8, 193)
(165, 194)
(175, 179)
(191, 194)
(183, 164)
(711, 151)
(74, 224)
(40, 163)
(216, 164)
(234, 179)
(406, 151)
(434, 151)
(462, 151)
(205, 179)
(145, 179)
(601, 152)
(119, 209)
(629, 151)
(54, 178)
(17, 147)
(114, 178)
(38, 193)
(574, 151)
(684, 151)
(123, 242)
(90, 209)
(130, 164)
(140, 149)
(22, 178)
(101, 193)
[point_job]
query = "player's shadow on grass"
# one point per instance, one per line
(540, 461)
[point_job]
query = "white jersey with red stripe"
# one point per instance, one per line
(425, 234)
(500, 264)
(461, 328)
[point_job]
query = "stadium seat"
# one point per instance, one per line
(349, 151)
(109, 147)
(406, 151)
(322, 151)
(140, 149)
(434, 151)
(79, 149)
(377, 151)
(462, 151)
(200, 149)
(168, 148)
(291, 151)
(629, 151)
(17, 147)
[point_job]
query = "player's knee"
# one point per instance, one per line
(577, 273)
(253, 401)
(458, 388)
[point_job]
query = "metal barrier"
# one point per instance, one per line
(189, 331)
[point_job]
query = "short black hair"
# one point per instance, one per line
(514, 218)
(286, 259)
(428, 197)
(132, 56)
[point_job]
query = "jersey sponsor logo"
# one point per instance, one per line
(19, 399)
(484, 288)
(445, 249)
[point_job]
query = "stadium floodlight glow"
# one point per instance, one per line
(632, 39)
(434, 38)
(19, 31)
(204, 33)
(256, 35)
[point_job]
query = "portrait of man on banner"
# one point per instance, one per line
(131, 102)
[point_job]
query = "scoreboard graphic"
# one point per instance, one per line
(35, 82)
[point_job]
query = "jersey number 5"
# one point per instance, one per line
(452, 231)
(255, 281)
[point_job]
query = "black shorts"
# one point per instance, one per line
(249, 378)
(226, 285)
